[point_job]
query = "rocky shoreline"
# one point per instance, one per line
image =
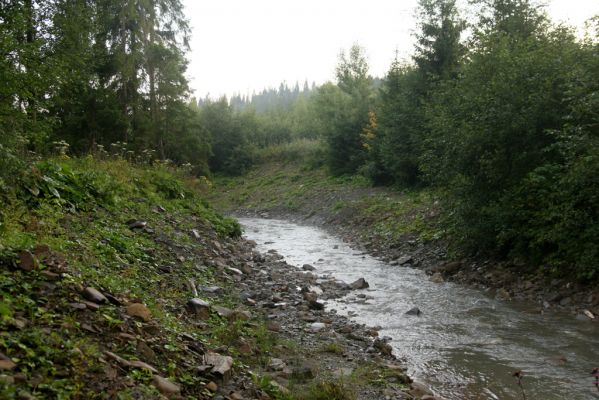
(503, 280)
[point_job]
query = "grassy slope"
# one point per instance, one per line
(79, 210)
(73, 215)
(291, 188)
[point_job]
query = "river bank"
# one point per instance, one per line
(402, 228)
(119, 281)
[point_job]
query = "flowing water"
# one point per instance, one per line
(465, 345)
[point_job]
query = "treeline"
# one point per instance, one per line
(96, 73)
(504, 122)
(498, 112)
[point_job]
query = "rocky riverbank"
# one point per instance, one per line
(400, 228)
(155, 296)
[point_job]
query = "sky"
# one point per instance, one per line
(241, 46)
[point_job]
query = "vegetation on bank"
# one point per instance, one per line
(139, 234)
(73, 216)
(292, 180)
(495, 111)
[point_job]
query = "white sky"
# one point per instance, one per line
(239, 46)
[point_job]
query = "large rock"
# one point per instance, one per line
(437, 278)
(140, 311)
(360, 284)
(404, 260)
(317, 327)
(308, 267)
(94, 295)
(199, 307)
(27, 261)
(414, 311)
(220, 364)
(165, 386)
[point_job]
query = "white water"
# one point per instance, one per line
(465, 345)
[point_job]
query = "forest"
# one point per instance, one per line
(497, 110)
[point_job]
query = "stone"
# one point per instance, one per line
(136, 224)
(244, 348)
(282, 389)
(404, 260)
(214, 290)
(276, 364)
(418, 390)
(308, 267)
(165, 386)
(302, 374)
(234, 271)
(195, 234)
(315, 305)
(437, 278)
(78, 306)
(222, 311)
(317, 327)
(274, 327)
(140, 311)
(145, 351)
(90, 305)
(199, 307)
(451, 267)
(27, 261)
(382, 346)
(94, 295)
(565, 301)
(359, 284)
(131, 364)
(7, 365)
(414, 311)
(502, 294)
(213, 387)
(220, 364)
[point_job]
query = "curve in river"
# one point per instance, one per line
(465, 345)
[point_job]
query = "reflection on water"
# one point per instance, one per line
(465, 345)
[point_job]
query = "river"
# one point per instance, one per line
(466, 344)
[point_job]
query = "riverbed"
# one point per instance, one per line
(465, 344)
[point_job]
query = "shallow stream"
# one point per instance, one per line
(465, 345)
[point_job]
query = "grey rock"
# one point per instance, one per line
(359, 284)
(404, 260)
(317, 327)
(414, 311)
(94, 295)
(165, 386)
(308, 267)
(199, 307)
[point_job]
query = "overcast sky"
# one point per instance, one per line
(239, 46)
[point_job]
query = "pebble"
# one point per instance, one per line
(213, 387)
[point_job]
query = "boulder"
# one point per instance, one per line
(140, 311)
(27, 261)
(437, 278)
(165, 386)
(199, 307)
(220, 364)
(414, 311)
(359, 284)
(308, 267)
(94, 295)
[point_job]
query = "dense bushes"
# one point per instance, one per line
(507, 127)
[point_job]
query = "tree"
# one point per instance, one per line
(438, 49)
(344, 112)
